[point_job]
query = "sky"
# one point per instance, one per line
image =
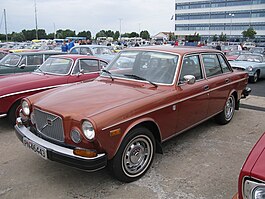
(93, 15)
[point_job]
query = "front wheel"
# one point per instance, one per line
(227, 114)
(254, 78)
(134, 156)
(13, 112)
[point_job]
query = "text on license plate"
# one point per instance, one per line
(41, 151)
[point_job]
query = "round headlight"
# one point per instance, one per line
(250, 68)
(25, 108)
(88, 130)
(75, 136)
(259, 193)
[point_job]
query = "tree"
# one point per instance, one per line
(222, 37)
(17, 37)
(249, 33)
(116, 35)
(215, 38)
(84, 33)
(145, 34)
(133, 34)
(62, 34)
(193, 38)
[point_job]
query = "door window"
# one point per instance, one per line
(224, 66)
(85, 51)
(212, 65)
(191, 66)
(88, 65)
(34, 60)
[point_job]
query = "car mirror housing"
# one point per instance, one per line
(22, 66)
(190, 79)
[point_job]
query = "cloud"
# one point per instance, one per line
(79, 15)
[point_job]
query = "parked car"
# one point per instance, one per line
(103, 52)
(259, 50)
(233, 55)
(56, 71)
(249, 45)
(251, 182)
(2, 54)
(24, 61)
(254, 64)
(144, 97)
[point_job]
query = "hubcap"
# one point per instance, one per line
(229, 108)
(255, 77)
(137, 156)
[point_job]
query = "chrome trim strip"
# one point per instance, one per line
(35, 89)
(50, 146)
(3, 115)
(172, 103)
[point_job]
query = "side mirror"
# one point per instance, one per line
(22, 66)
(81, 72)
(190, 79)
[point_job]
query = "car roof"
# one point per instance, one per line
(38, 52)
(175, 50)
(76, 56)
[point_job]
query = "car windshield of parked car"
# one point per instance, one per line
(249, 57)
(56, 66)
(154, 67)
(10, 60)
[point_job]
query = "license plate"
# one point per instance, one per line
(41, 151)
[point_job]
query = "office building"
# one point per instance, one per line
(213, 17)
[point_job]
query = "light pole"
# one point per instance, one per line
(36, 20)
(231, 17)
(120, 27)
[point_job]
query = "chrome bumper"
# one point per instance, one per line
(62, 154)
(246, 92)
(3, 115)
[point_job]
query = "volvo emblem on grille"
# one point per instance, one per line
(49, 122)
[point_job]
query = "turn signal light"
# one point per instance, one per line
(88, 153)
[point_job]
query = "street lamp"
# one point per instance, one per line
(231, 15)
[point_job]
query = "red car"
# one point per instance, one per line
(144, 97)
(56, 71)
(251, 182)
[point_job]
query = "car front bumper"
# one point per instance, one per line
(62, 154)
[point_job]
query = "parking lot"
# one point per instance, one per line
(202, 163)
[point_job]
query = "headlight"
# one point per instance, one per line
(75, 136)
(250, 68)
(88, 130)
(25, 108)
(254, 190)
(259, 193)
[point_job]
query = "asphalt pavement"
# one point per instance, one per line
(202, 163)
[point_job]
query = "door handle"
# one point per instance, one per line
(227, 80)
(206, 87)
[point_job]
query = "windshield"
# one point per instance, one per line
(57, 66)
(156, 67)
(10, 60)
(249, 57)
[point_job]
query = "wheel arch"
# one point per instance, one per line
(148, 123)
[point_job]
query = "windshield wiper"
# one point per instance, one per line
(109, 73)
(139, 78)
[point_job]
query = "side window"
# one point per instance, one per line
(89, 65)
(106, 51)
(102, 64)
(75, 51)
(85, 51)
(34, 60)
(224, 66)
(191, 66)
(23, 60)
(211, 64)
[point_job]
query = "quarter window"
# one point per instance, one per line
(191, 66)
(224, 66)
(211, 65)
(34, 60)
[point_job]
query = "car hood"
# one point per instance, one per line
(25, 81)
(242, 64)
(92, 98)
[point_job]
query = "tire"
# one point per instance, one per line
(254, 78)
(134, 156)
(227, 114)
(13, 113)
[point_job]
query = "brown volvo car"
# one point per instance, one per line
(144, 97)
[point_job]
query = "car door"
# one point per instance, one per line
(218, 75)
(84, 70)
(193, 99)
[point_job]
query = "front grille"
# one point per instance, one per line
(49, 125)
